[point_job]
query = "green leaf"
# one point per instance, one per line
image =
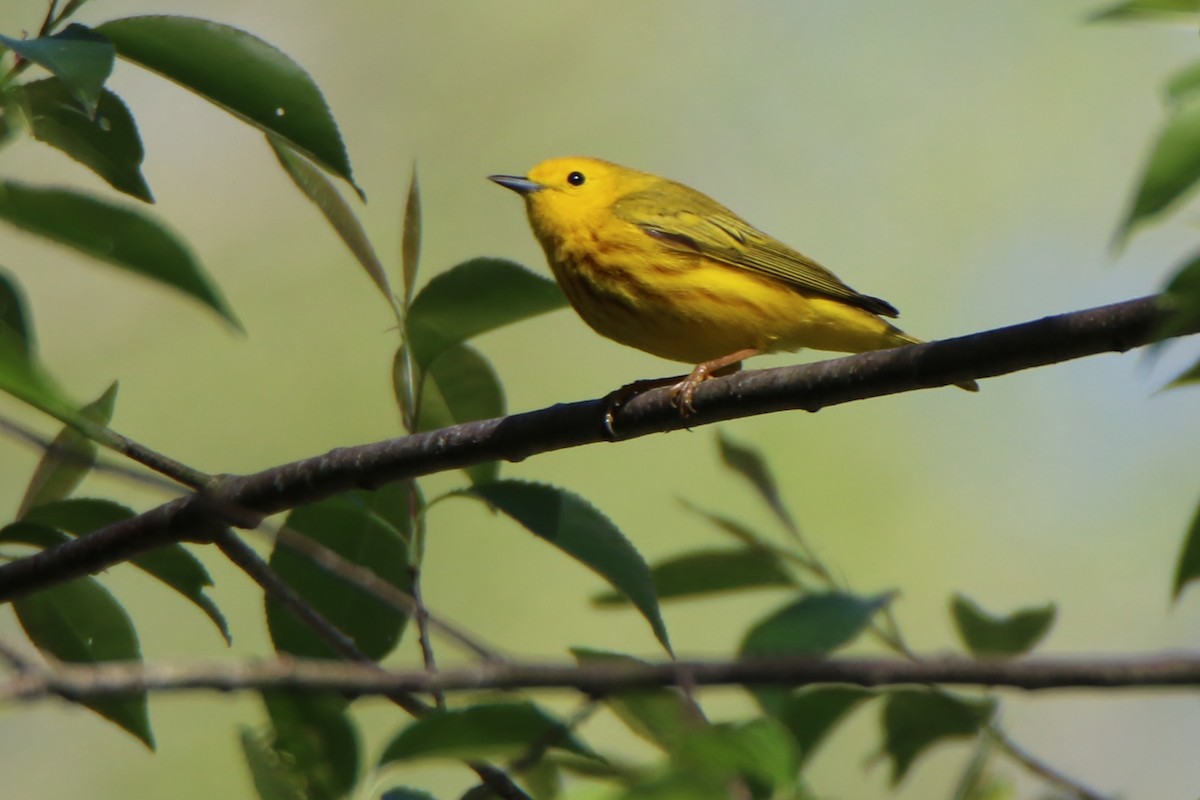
(761, 751)
(486, 730)
(704, 572)
(1181, 299)
(70, 458)
(1172, 168)
(171, 564)
(313, 733)
(988, 636)
(1187, 377)
(405, 793)
(106, 142)
(814, 625)
(660, 716)
(576, 527)
(274, 779)
(979, 780)
(750, 464)
(119, 235)
(1148, 9)
(24, 378)
(356, 526)
(13, 315)
(728, 526)
(677, 784)
(77, 56)
(337, 212)
(240, 73)
(1184, 83)
(32, 533)
(410, 244)
(1187, 569)
(916, 719)
(81, 623)
(811, 713)
(461, 386)
(472, 298)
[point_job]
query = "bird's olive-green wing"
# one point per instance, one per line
(686, 220)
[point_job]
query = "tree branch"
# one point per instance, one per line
(236, 499)
(76, 682)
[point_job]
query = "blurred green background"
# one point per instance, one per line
(967, 162)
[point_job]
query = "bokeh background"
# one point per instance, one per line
(968, 162)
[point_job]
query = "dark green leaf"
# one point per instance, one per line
(812, 712)
(577, 528)
(1172, 168)
(70, 458)
(660, 716)
(313, 733)
(677, 784)
(472, 298)
(317, 188)
(77, 56)
(1181, 298)
(13, 315)
(979, 780)
(1148, 9)
(410, 244)
(814, 625)
(274, 779)
(81, 623)
(1187, 569)
(1187, 377)
(916, 719)
(171, 564)
(1184, 84)
(761, 751)
(106, 143)
(402, 380)
(481, 731)
(120, 235)
(750, 464)
(32, 533)
(728, 525)
(404, 793)
(460, 386)
(240, 73)
(351, 526)
(704, 572)
(987, 636)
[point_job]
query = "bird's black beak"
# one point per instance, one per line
(518, 184)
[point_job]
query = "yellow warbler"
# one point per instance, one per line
(659, 266)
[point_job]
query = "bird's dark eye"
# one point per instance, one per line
(576, 179)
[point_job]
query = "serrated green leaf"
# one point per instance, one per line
(576, 527)
(77, 56)
(472, 298)
(242, 74)
(314, 734)
(13, 315)
(119, 235)
(461, 386)
(705, 572)
(988, 636)
(81, 623)
(1187, 568)
(273, 778)
(759, 751)
(750, 464)
(410, 242)
(660, 716)
(1172, 168)
(70, 458)
(914, 720)
(487, 730)
(349, 525)
(106, 142)
(1148, 9)
(814, 625)
(337, 212)
(811, 713)
(171, 564)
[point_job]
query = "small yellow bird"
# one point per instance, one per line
(659, 266)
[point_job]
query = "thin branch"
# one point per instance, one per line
(315, 676)
(1040, 768)
(200, 517)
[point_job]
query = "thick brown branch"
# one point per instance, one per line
(122, 678)
(239, 499)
